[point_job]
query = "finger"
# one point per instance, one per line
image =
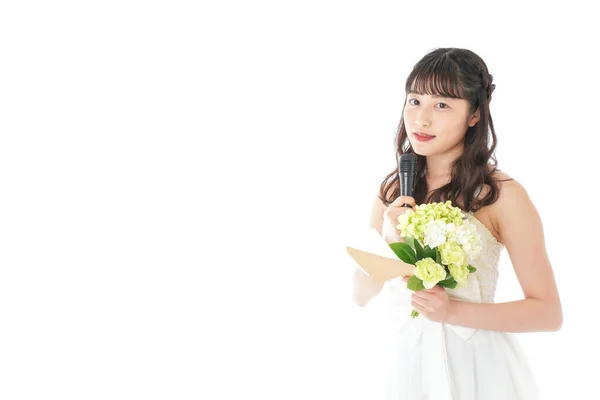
(436, 289)
(419, 300)
(406, 205)
(420, 308)
(417, 307)
(400, 200)
(420, 295)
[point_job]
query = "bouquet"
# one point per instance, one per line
(439, 241)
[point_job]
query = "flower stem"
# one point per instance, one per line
(414, 314)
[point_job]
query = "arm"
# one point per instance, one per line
(521, 230)
(364, 288)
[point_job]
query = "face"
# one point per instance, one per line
(445, 118)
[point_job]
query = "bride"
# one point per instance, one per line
(461, 346)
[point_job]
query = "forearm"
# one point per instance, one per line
(527, 315)
(364, 288)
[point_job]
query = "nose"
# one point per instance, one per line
(423, 119)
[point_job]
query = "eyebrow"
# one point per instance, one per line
(437, 96)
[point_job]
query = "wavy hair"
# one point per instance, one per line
(462, 74)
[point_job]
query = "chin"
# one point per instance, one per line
(421, 151)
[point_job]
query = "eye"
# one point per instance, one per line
(415, 102)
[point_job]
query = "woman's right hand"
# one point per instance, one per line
(389, 232)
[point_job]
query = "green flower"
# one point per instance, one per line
(452, 253)
(413, 223)
(459, 273)
(429, 272)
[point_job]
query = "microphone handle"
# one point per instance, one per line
(406, 186)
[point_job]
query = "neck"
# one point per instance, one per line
(439, 166)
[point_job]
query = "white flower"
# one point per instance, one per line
(450, 229)
(434, 233)
(469, 238)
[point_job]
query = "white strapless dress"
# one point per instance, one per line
(435, 361)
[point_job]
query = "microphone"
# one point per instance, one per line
(407, 174)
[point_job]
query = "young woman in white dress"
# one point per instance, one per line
(461, 346)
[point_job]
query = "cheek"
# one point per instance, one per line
(447, 123)
(408, 116)
(458, 129)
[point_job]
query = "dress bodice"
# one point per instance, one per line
(486, 262)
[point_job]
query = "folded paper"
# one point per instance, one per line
(375, 257)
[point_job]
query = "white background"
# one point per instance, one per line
(178, 182)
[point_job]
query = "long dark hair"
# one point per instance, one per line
(462, 74)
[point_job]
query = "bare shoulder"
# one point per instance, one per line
(511, 192)
(514, 210)
(501, 178)
(377, 210)
(490, 215)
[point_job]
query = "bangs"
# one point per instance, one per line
(436, 78)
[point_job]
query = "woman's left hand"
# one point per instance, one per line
(432, 303)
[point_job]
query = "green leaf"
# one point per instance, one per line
(448, 283)
(415, 284)
(404, 252)
(431, 253)
(438, 256)
(420, 251)
(410, 241)
(471, 268)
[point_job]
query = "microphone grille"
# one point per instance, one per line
(407, 162)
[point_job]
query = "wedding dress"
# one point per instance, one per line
(435, 361)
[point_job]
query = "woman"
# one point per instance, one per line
(461, 347)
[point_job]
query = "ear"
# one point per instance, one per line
(474, 118)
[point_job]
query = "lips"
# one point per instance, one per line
(423, 134)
